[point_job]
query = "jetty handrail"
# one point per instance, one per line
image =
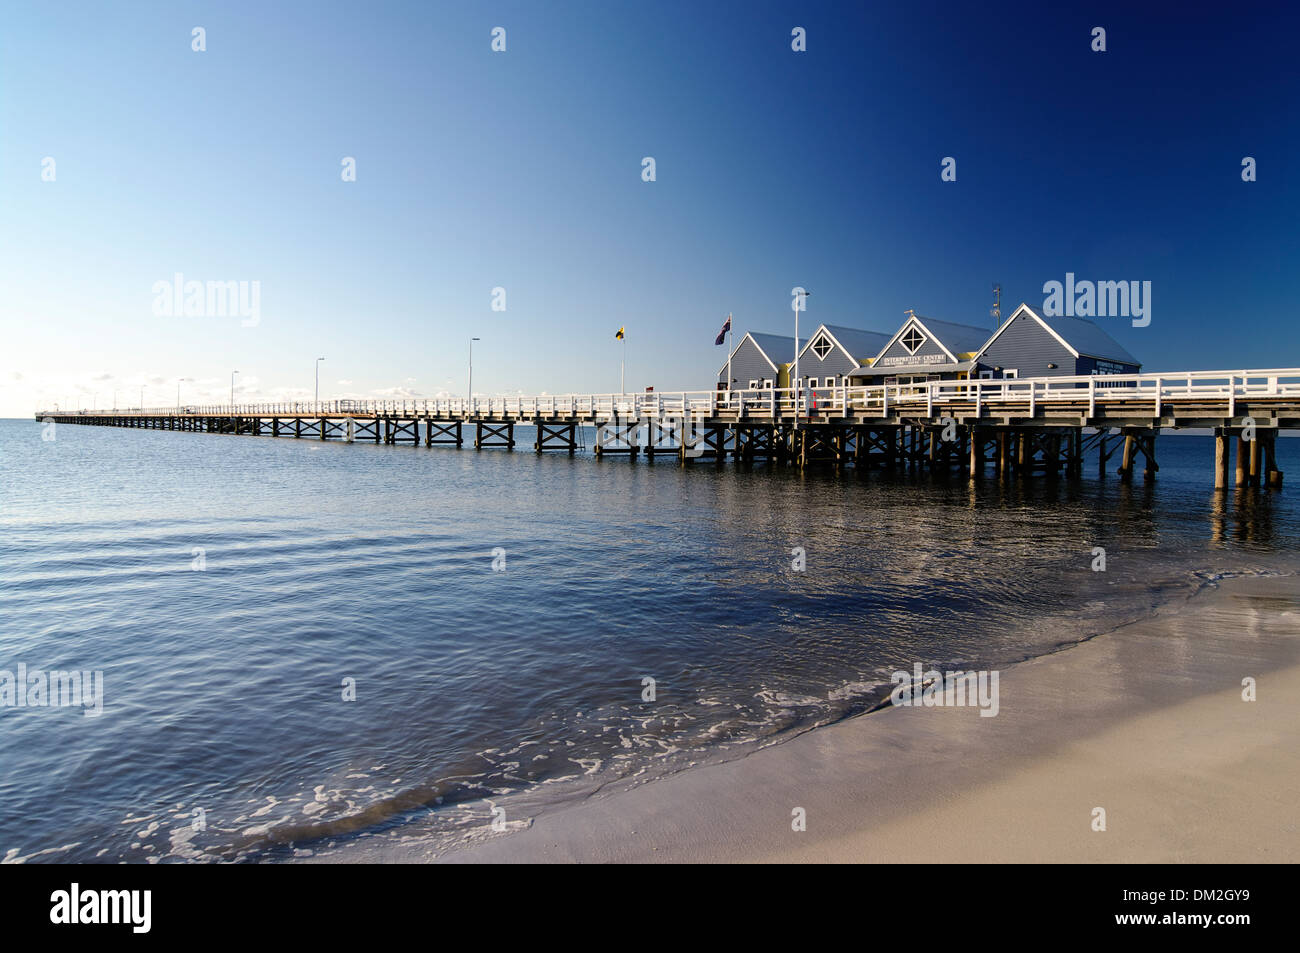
(968, 395)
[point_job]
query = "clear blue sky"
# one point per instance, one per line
(522, 170)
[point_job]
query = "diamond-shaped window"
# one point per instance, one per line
(913, 339)
(821, 347)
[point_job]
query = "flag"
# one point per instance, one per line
(722, 335)
(619, 336)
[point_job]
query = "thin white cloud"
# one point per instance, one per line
(403, 393)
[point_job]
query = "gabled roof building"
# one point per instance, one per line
(1032, 344)
(925, 349)
(834, 351)
(759, 361)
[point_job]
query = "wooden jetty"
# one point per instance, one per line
(1030, 426)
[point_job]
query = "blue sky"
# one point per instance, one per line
(522, 170)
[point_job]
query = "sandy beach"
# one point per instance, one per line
(1147, 722)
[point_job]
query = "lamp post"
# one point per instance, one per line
(142, 398)
(232, 389)
(318, 360)
(470, 387)
(799, 297)
(178, 392)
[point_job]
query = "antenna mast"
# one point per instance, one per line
(996, 311)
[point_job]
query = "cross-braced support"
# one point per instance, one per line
(402, 431)
(1144, 442)
(443, 434)
(488, 435)
(556, 435)
(616, 436)
(821, 445)
(716, 444)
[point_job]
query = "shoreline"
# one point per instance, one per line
(1146, 721)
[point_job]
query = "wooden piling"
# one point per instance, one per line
(1221, 453)
(1149, 451)
(1126, 462)
(1274, 475)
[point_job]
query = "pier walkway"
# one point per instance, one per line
(1030, 425)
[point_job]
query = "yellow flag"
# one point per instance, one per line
(619, 335)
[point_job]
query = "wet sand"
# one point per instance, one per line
(1147, 722)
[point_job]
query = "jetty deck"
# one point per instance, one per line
(1045, 425)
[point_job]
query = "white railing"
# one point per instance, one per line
(871, 400)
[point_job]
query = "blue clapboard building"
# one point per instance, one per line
(925, 349)
(1031, 344)
(1027, 344)
(760, 361)
(834, 351)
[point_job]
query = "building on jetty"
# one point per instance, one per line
(1030, 344)
(760, 361)
(925, 349)
(1027, 344)
(833, 352)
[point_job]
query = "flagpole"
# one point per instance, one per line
(622, 363)
(729, 359)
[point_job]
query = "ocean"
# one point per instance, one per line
(303, 644)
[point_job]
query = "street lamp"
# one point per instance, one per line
(178, 391)
(799, 296)
(318, 360)
(470, 393)
(232, 389)
(142, 398)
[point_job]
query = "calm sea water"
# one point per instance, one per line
(227, 587)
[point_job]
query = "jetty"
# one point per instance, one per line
(1048, 426)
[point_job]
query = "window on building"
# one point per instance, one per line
(913, 339)
(767, 382)
(1010, 373)
(821, 347)
(812, 382)
(986, 375)
(753, 384)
